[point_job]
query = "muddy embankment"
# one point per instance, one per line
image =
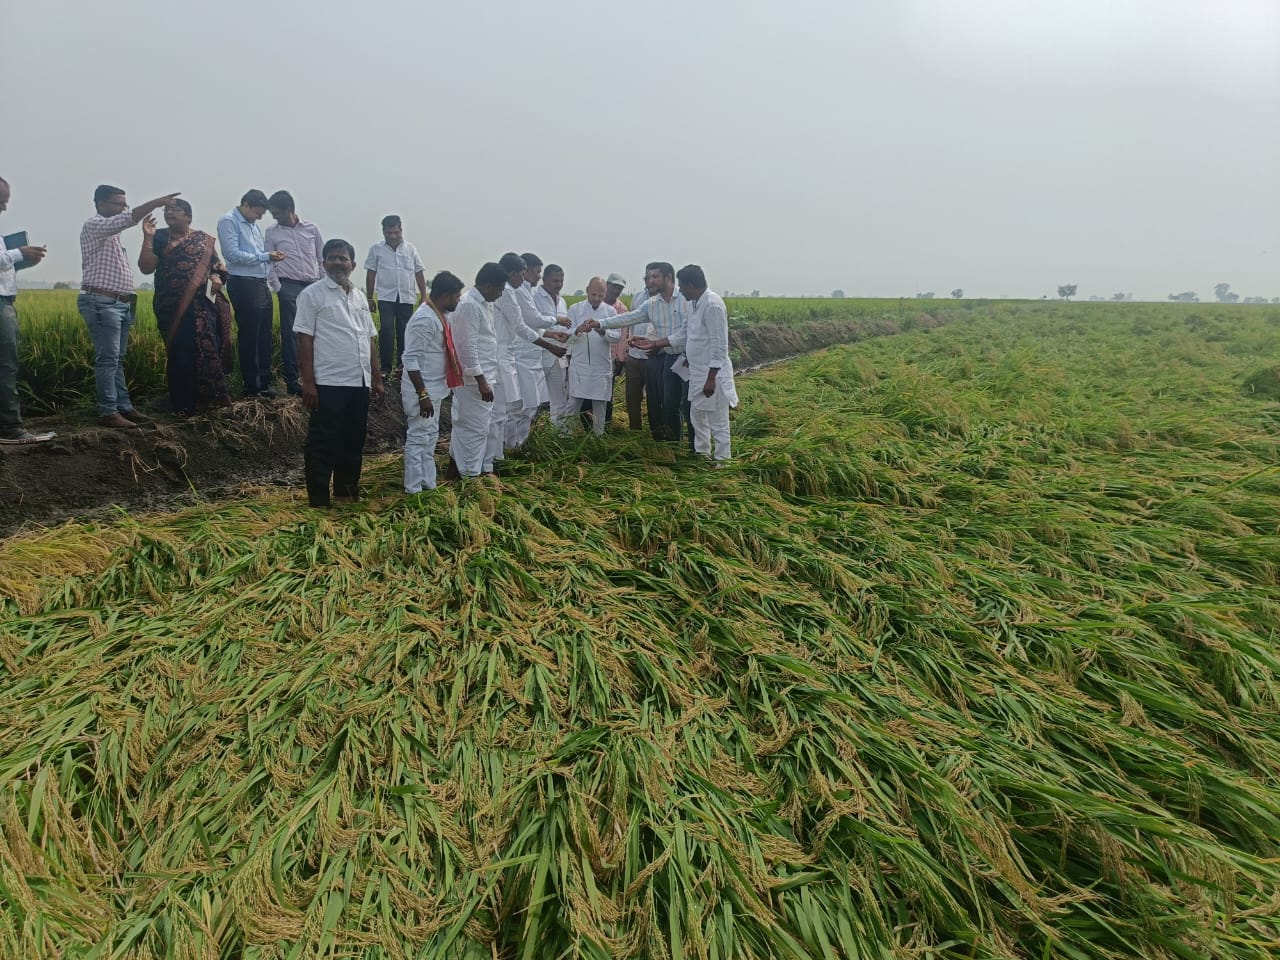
(90, 470)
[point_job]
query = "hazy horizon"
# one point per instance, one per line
(989, 145)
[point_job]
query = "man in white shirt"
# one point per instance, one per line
(339, 369)
(554, 369)
(391, 271)
(529, 356)
(11, 429)
(706, 347)
(476, 341)
(425, 384)
(591, 355)
(515, 389)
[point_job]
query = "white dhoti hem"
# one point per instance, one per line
(470, 431)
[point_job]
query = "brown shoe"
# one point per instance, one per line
(116, 421)
(133, 416)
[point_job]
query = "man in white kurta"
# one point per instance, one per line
(531, 373)
(706, 348)
(476, 341)
(425, 384)
(590, 354)
(555, 369)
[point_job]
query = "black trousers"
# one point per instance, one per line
(180, 362)
(251, 300)
(393, 318)
(335, 443)
(288, 300)
(668, 399)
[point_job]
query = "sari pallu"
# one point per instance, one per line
(196, 330)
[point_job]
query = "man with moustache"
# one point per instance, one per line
(303, 264)
(339, 368)
(554, 369)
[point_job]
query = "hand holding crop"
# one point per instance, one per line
(563, 321)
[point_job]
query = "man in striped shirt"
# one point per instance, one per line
(106, 298)
(668, 314)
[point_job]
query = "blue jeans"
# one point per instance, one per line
(108, 321)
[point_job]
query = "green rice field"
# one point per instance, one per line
(972, 652)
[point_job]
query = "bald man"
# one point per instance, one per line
(590, 356)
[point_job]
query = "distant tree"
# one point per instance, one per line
(837, 294)
(1121, 297)
(64, 285)
(925, 296)
(957, 293)
(1222, 293)
(579, 293)
(1066, 291)
(1275, 299)
(1254, 300)
(1187, 297)
(755, 293)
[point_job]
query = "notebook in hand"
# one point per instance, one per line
(14, 240)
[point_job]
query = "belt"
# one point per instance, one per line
(305, 283)
(8, 298)
(98, 291)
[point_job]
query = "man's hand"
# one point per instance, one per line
(425, 409)
(276, 256)
(377, 391)
(216, 281)
(558, 335)
(709, 388)
(33, 254)
(486, 391)
(149, 226)
(643, 343)
(563, 321)
(310, 397)
(373, 304)
(555, 351)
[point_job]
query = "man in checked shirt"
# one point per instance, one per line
(106, 298)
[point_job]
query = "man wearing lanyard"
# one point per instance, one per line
(11, 428)
(106, 298)
(391, 271)
(300, 242)
(248, 262)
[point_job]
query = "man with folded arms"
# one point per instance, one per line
(249, 263)
(11, 428)
(391, 271)
(106, 298)
(303, 264)
(339, 369)
(425, 385)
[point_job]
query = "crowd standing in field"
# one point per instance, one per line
(505, 349)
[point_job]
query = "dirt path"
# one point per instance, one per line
(90, 470)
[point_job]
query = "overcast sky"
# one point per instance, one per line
(884, 147)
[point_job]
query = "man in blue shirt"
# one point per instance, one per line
(248, 262)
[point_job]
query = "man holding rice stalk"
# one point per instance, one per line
(430, 371)
(338, 363)
(555, 369)
(11, 429)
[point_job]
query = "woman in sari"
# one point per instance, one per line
(191, 310)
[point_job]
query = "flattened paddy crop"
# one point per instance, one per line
(972, 653)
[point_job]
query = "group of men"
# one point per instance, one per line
(505, 349)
